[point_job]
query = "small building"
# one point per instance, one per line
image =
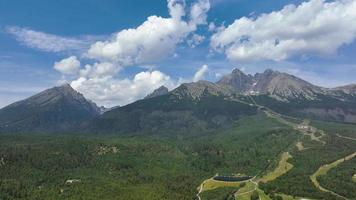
(71, 181)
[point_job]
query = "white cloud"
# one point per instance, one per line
(199, 75)
(100, 70)
(212, 27)
(314, 27)
(176, 9)
(49, 42)
(198, 12)
(68, 66)
(146, 44)
(154, 39)
(195, 40)
(109, 91)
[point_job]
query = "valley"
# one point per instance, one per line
(198, 141)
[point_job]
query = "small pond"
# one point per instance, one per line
(232, 178)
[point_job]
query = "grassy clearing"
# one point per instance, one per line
(226, 193)
(349, 138)
(211, 184)
(300, 146)
(288, 197)
(263, 195)
(282, 168)
(245, 192)
(354, 177)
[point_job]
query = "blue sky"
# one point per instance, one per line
(34, 35)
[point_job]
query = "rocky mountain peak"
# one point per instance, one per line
(63, 92)
(199, 89)
(158, 92)
(271, 72)
(237, 80)
(237, 71)
(54, 109)
(275, 83)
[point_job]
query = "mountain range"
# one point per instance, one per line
(193, 106)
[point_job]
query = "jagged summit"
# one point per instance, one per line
(198, 89)
(158, 92)
(62, 108)
(237, 80)
(275, 83)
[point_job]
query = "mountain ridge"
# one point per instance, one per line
(198, 105)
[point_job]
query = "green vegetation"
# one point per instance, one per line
(169, 114)
(211, 184)
(255, 196)
(135, 167)
(282, 168)
(323, 170)
(176, 165)
(340, 179)
(297, 182)
(225, 193)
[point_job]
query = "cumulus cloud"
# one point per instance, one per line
(195, 40)
(199, 75)
(212, 27)
(109, 91)
(144, 45)
(49, 42)
(198, 12)
(68, 66)
(314, 27)
(102, 69)
(154, 39)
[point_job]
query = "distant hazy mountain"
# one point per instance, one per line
(53, 110)
(158, 92)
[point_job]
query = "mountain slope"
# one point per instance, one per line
(349, 89)
(285, 86)
(279, 85)
(158, 92)
(238, 81)
(53, 110)
(192, 107)
(291, 95)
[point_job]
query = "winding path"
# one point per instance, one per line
(324, 170)
(345, 137)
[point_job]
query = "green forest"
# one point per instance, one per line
(170, 167)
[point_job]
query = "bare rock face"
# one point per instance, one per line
(285, 86)
(238, 81)
(279, 85)
(201, 88)
(158, 92)
(348, 89)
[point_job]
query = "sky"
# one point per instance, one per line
(118, 51)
